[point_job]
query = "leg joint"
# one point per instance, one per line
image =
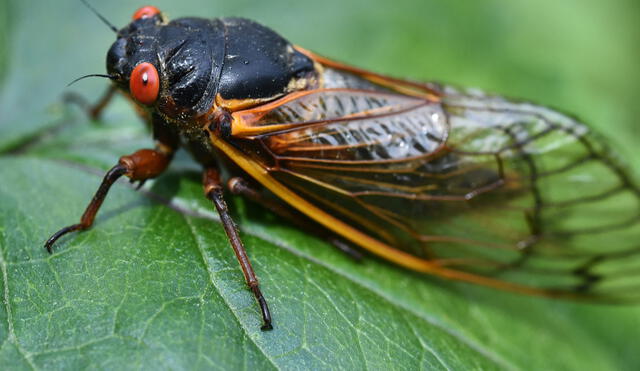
(144, 164)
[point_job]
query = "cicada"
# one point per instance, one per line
(452, 183)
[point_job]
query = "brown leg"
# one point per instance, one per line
(93, 110)
(142, 165)
(242, 188)
(213, 191)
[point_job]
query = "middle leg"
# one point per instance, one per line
(241, 187)
(213, 191)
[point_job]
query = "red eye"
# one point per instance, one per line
(146, 12)
(144, 83)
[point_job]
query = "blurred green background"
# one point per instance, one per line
(580, 56)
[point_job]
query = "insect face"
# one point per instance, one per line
(131, 60)
(163, 66)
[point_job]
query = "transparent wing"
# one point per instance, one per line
(479, 183)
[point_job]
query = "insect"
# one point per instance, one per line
(457, 184)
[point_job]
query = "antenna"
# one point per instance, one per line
(91, 75)
(102, 18)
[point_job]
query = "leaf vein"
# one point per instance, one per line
(210, 272)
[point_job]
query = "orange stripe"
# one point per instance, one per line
(262, 175)
(400, 85)
(363, 240)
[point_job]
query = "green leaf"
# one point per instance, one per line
(154, 284)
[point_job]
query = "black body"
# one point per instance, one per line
(198, 59)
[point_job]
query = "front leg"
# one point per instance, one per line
(139, 166)
(213, 191)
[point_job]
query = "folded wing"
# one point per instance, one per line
(477, 183)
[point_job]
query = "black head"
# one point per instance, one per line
(197, 62)
(167, 66)
(135, 44)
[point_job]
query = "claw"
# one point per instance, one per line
(142, 182)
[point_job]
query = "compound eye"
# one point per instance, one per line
(144, 83)
(145, 12)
